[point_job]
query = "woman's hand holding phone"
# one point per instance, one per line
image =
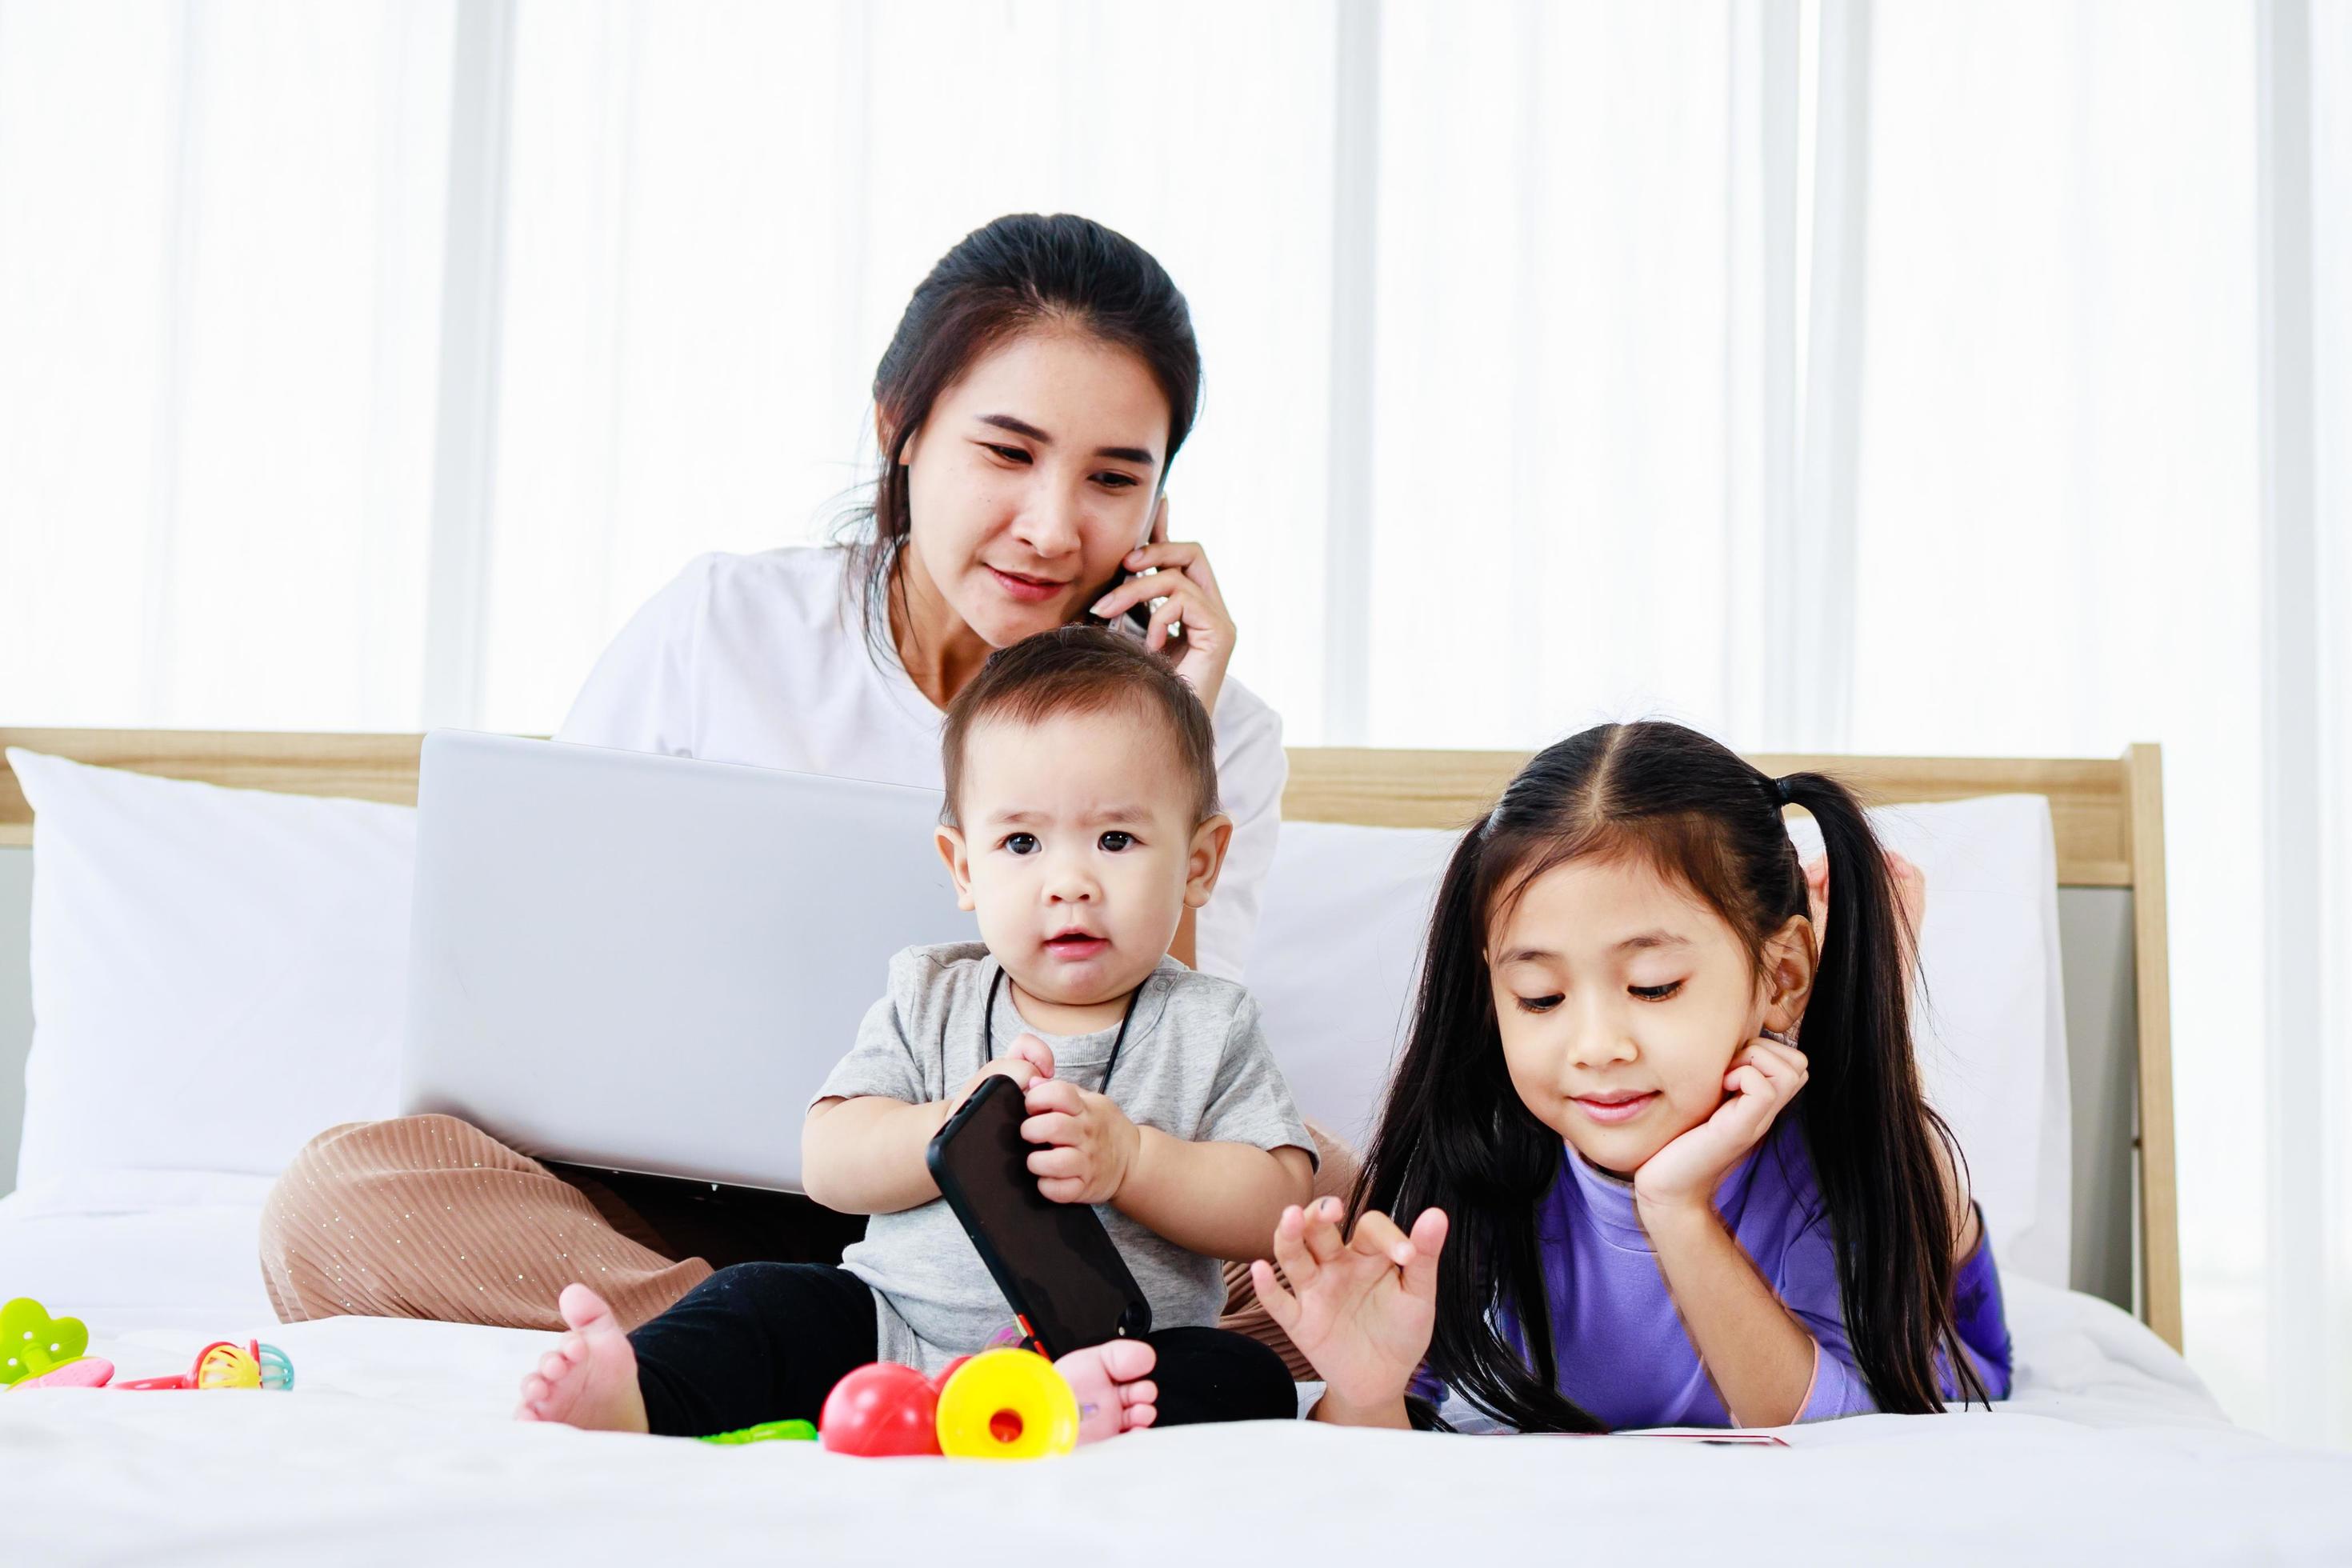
(1191, 608)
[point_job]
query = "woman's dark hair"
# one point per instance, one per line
(1018, 273)
(1454, 1134)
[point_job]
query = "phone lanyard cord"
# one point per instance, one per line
(988, 1027)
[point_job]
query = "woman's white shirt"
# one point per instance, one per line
(762, 660)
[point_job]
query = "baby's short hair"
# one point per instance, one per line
(1083, 669)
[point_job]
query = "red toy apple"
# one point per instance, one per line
(882, 1411)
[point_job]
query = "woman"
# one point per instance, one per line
(1041, 382)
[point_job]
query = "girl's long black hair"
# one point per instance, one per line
(1454, 1134)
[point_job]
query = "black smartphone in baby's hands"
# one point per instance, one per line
(1068, 1285)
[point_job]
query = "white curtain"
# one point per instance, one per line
(220, 264)
(1945, 376)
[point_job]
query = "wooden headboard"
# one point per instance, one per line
(2108, 816)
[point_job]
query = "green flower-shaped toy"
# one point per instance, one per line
(32, 1342)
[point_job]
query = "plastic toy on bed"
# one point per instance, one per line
(225, 1365)
(998, 1405)
(38, 1351)
(767, 1432)
(1006, 1404)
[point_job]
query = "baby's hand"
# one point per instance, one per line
(1092, 1143)
(1031, 1060)
(1361, 1308)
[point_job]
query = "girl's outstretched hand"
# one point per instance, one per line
(1359, 1307)
(1763, 1077)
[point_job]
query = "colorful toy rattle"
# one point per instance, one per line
(224, 1365)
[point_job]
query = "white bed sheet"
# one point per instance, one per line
(395, 1445)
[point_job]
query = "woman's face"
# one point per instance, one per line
(1035, 474)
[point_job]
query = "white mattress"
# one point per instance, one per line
(395, 1445)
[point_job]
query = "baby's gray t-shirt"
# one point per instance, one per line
(1195, 1066)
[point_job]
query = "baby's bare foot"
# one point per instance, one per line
(590, 1378)
(1114, 1395)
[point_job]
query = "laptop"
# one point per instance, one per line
(649, 964)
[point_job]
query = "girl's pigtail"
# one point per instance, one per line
(1879, 1153)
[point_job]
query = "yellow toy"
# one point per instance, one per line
(1007, 1405)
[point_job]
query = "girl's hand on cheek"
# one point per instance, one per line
(1763, 1079)
(1090, 1142)
(1360, 1308)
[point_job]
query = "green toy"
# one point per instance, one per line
(33, 1344)
(768, 1432)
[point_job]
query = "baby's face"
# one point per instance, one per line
(1078, 850)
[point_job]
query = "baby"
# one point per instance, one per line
(1081, 821)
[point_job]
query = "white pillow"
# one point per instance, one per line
(1346, 909)
(217, 974)
(1340, 928)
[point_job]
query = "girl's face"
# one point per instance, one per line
(1622, 998)
(1033, 476)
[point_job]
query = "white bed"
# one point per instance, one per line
(396, 1445)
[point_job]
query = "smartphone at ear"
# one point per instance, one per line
(1139, 617)
(1056, 1265)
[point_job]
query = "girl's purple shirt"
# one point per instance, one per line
(1619, 1345)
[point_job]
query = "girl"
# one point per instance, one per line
(1629, 1205)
